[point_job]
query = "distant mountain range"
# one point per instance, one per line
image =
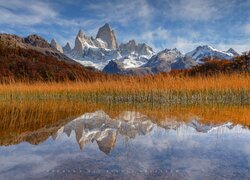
(104, 53)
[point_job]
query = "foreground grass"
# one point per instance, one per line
(159, 89)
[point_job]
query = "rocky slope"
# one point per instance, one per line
(34, 42)
(33, 59)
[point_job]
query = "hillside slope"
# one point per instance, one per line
(19, 63)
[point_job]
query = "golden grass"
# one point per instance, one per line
(147, 83)
(161, 89)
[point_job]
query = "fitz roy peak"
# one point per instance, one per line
(97, 52)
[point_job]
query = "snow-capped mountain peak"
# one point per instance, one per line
(206, 51)
(99, 51)
(132, 56)
(169, 59)
(233, 52)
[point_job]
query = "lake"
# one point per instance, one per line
(70, 140)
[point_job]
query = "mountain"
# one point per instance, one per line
(135, 55)
(164, 61)
(34, 59)
(92, 52)
(33, 42)
(169, 59)
(117, 67)
(203, 52)
(56, 46)
(97, 52)
(130, 58)
(67, 49)
(233, 52)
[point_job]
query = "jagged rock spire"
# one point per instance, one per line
(106, 34)
(67, 49)
(56, 46)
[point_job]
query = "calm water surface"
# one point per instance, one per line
(128, 145)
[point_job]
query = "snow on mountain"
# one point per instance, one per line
(164, 61)
(92, 52)
(233, 52)
(104, 54)
(134, 55)
(169, 59)
(202, 52)
(167, 55)
(97, 52)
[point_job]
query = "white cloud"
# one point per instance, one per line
(186, 45)
(240, 47)
(194, 10)
(30, 12)
(247, 29)
(122, 11)
(27, 12)
(156, 35)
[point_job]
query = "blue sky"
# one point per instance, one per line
(162, 24)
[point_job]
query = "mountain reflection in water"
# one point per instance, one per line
(99, 127)
(127, 144)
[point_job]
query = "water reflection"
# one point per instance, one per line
(100, 144)
(100, 128)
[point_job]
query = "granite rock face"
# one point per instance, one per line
(98, 52)
(132, 47)
(107, 35)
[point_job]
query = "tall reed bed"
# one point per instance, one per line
(161, 89)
